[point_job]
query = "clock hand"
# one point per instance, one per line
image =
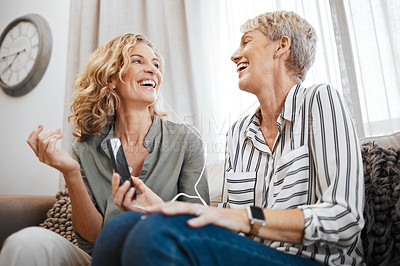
(17, 53)
(12, 61)
(10, 65)
(15, 57)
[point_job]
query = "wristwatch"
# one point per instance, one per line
(256, 219)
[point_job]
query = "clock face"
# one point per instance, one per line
(18, 52)
(25, 50)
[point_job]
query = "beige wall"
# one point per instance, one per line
(20, 171)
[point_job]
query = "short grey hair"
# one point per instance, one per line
(302, 35)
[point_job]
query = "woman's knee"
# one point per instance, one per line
(39, 246)
(159, 227)
(25, 246)
(30, 236)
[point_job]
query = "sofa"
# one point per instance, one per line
(380, 236)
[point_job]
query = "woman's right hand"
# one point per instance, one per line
(46, 150)
(123, 194)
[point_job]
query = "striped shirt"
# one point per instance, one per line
(315, 165)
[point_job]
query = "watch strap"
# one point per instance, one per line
(254, 229)
(255, 224)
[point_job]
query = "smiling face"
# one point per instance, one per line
(255, 61)
(142, 79)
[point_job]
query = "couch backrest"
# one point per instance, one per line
(387, 141)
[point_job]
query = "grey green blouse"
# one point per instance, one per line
(174, 164)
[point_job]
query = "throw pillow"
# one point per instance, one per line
(381, 233)
(59, 217)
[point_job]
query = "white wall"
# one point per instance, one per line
(20, 170)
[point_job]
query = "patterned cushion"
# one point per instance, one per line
(59, 217)
(381, 234)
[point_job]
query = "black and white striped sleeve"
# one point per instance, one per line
(337, 217)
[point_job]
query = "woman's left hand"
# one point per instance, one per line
(231, 219)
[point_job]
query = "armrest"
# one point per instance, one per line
(20, 211)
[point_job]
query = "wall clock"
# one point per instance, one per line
(25, 49)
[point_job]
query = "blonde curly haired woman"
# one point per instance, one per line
(116, 96)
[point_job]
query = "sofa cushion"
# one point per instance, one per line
(381, 233)
(59, 217)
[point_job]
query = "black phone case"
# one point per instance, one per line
(119, 160)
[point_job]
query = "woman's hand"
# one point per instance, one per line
(46, 150)
(123, 194)
(231, 219)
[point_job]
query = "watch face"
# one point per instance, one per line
(257, 213)
(18, 52)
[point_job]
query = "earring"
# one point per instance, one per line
(275, 55)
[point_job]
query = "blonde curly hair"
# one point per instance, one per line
(95, 104)
(303, 37)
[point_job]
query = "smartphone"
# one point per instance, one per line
(119, 160)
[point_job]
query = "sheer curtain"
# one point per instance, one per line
(83, 35)
(374, 31)
(82, 40)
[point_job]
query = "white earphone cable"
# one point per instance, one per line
(204, 165)
(205, 154)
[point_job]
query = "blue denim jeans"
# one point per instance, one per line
(134, 238)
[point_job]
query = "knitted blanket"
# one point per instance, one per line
(381, 234)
